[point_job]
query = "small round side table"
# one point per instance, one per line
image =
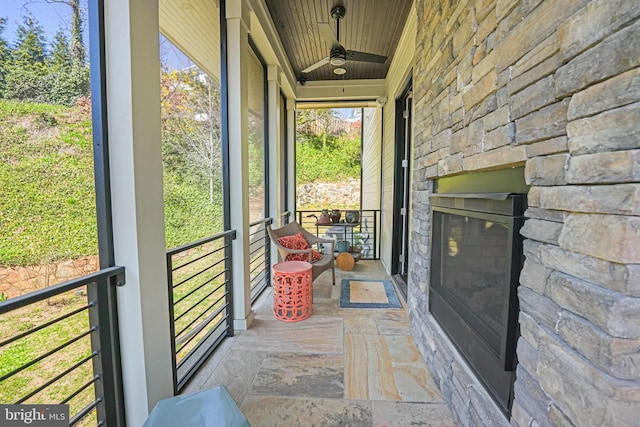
(292, 292)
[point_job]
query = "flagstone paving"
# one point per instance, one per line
(340, 367)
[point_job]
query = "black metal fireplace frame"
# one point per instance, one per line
(491, 357)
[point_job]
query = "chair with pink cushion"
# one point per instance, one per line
(290, 241)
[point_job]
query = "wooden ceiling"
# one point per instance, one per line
(372, 26)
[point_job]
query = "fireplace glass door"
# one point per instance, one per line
(476, 260)
(473, 274)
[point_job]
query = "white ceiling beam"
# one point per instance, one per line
(331, 90)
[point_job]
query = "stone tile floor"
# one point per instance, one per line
(340, 367)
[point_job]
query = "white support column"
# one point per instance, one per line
(275, 179)
(133, 94)
(237, 62)
(291, 155)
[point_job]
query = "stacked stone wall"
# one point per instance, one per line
(553, 85)
(328, 194)
(15, 281)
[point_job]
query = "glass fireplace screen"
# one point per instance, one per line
(476, 258)
(473, 263)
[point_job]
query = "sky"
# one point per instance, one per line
(55, 16)
(52, 17)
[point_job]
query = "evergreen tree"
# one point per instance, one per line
(66, 80)
(78, 50)
(26, 69)
(4, 56)
(61, 53)
(30, 48)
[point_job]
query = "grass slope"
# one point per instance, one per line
(47, 197)
(47, 201)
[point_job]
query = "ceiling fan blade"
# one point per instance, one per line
(327, 33)
(354, 55)
(316, 65)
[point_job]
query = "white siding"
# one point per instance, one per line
(371, 157)
(194, 27)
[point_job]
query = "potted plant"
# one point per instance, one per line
(343, 246)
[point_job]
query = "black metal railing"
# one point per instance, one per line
(364, 233)
(60, 345)
(260, 257)
(201, 301)
(285, 218)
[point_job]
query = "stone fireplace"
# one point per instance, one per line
(553, 86)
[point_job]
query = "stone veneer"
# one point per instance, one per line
(18, 280)
(553, 85)
(328, 194)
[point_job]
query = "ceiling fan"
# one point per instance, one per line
(338, 55)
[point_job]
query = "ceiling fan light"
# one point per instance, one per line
(337, 61)
(339, 71)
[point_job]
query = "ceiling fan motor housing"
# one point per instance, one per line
(338, 56)
(337, 12)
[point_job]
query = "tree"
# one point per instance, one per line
(77, 45)
(30, 50)
(78, 51)
(61, 53)
(65, 80)
(311, 124)
(191, 125)
(4, 56)
(27, 67)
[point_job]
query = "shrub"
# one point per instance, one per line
(339, 160)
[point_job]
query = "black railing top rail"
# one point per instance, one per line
(51, 291)
(266, 221)
(231, 233)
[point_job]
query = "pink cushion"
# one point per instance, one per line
(297, 241)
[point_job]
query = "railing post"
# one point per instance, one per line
(267, 253)
(375, 234)
(228, 268)
(172, 324)
(106, 366)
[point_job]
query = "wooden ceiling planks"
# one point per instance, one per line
(372, 26)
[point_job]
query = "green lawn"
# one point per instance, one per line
(38, 343)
